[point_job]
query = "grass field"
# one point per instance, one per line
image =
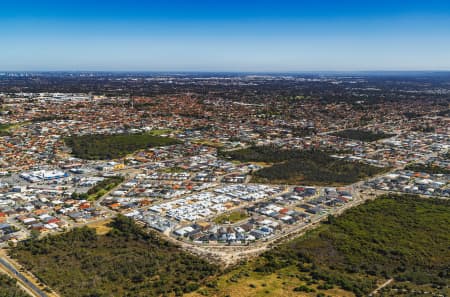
(209, 143)
(244, 282)
(231, 217)
(101, 227)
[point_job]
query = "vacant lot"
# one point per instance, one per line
(231, 217)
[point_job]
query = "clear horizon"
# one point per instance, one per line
(232, 36)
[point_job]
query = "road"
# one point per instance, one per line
(226, 254)
(381, 286)
(22, 279)
(230, 254)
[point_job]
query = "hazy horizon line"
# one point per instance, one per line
(225, 71)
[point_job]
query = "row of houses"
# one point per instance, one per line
(207, 204)
(413, 183)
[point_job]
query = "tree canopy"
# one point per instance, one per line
(128, 261)
(106, 147)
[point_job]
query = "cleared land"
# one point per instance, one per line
(106, 147)
(125, 262)
(101, 227)
(362, 135)
(400, 237)
(302, 166)
(231, 217)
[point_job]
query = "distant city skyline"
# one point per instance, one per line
(236, 36)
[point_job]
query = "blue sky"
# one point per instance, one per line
(225, 35)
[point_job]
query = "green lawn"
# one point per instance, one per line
(231, 217)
